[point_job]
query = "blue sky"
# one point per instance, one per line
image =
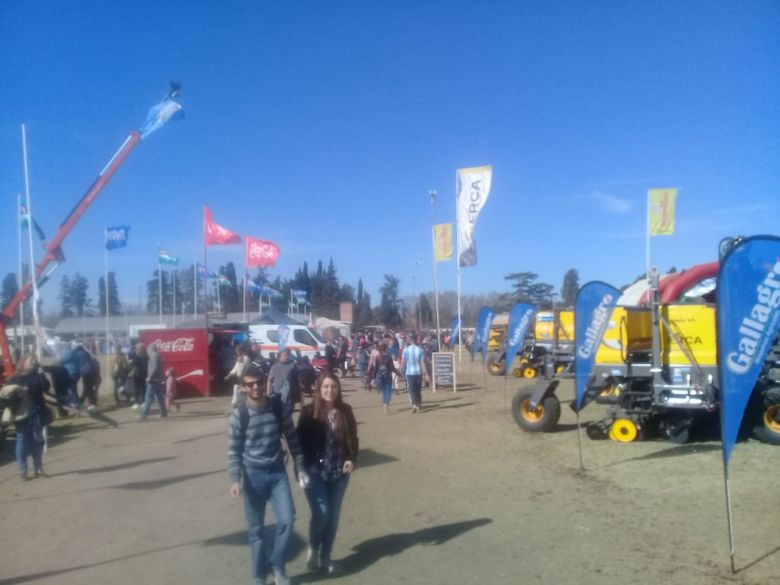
(322, 126)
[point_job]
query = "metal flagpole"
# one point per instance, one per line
(647, 240)
(30, 238)
(245, 277)
(159, 284)
(20, 340)
(729, 514)
(219, 301)
(435, 270)
(206, 273)
(105, 286)
(195, 291)
(457, 260)
(173, 272)
(579, 440)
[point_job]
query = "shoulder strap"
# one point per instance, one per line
(243, 419)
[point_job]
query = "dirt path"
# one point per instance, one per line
(454, 494)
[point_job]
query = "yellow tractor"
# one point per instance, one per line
(551, 342)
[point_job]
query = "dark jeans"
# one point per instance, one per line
(73, 393)
(139, 387)
(26, 446)
(385, 386)
(325, 499)
(153, 390)
(260, 487)
(414, 384)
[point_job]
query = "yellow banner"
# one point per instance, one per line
(442, 242)
(661, 207)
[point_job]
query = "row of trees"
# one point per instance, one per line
(323, 289)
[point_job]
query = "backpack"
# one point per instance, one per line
(382, 370)
(243, 419)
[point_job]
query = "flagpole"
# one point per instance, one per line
(245, 277)
(729, 513)
(435, 269)
(159, 284)
(105, 286)
(647, 240)
(195, 291)
(173, 271)
(21, 274)
(30, 239)
(206, 270)
(457, 260)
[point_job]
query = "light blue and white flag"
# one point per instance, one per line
(116, 237)
(165, 258)
(158, 115)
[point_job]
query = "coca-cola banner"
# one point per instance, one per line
(261, 253)
(186, 351)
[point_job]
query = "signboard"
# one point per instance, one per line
(186, 351)
(443, 363)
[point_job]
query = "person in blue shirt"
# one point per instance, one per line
(413, 366)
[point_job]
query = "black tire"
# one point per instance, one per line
(496, 364)
(542, 419)
(767, 425)
(675, 428)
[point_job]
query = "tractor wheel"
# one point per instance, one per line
(767, 428)
(598, 431)
(495, 365)
(624, 430)
(517, 372)
(543, 418)
(529, 373)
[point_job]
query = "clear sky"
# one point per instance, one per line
(322, 126)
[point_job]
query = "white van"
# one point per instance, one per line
(299, 337)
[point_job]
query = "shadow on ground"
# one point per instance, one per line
(369, 458)
(118, 467)
(370, 551)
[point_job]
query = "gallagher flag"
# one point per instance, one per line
(214, 234)
(442, 242)
(592, 311)
(661, 204)
(165, 258)
(261, 253)
(454, 331)
(473, 191)
(484, 323)
(116, 237)
(520, 318)
(748, 315)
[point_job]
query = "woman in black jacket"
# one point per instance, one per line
(327, 432)
(30, 430)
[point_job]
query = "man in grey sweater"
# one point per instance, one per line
(256, 467)
(154, 383)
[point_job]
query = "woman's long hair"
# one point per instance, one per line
(320, 412)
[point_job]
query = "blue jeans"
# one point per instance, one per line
(414, 383)
(260, 487)
(26, 446)
(385, 386)
(153, 389)
(73, 393)
(325, 499)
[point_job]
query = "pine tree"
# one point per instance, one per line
(66, 298)
(391, 307)
(10, 288)
(570, 287)
(153, 294)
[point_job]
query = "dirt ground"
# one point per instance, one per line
(454, 494)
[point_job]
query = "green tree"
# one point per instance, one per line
(82, 304)
(230, 295)
(426, 313)
(67, 308)
(570, 287)
(527, 290)
(390, 306)
(153, 293)
(114, 305)
(10, 288)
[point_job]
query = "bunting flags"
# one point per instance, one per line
(473, 191)
(442, 242)
(165, 258)
(261, 253)
(661, 207)
(25, 220)
(116, 237)
(214, 234)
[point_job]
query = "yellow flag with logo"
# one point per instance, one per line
(661, 208)
(442, 242)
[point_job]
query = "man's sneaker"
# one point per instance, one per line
(333, 568)
(281, 578)
(40, 473)
(135, 406)
(312, 561)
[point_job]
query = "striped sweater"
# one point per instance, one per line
(259, 445)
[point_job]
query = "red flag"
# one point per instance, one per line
(214, 234)
(261, 253)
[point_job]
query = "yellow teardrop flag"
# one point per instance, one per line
(442, 242)
(661, 207)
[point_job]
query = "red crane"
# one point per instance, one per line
(158, 115)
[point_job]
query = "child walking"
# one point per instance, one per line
(170, 390)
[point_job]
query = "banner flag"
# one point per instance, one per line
(454, 332)
(482, 334)
(520, 318)
(442, 242)
(748, 315)
(661, 204)
(215, 234)
(205, 273)
(166, 258)
(223, 280)
(473, 191)
(254, 287)
(300, 295)
(260, 253)
(592, 312)
(116, 237)
(25, 220)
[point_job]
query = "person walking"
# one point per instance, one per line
(242, 359)
(139, 369)
(385, 373)
(154, 383)
(256, 468)
(171, 389)
(327, 430)
(29, 413)
(413, 365)
(119, 371)
(281, 379)
(71, 362)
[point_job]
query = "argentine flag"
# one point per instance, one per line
(165, 258)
